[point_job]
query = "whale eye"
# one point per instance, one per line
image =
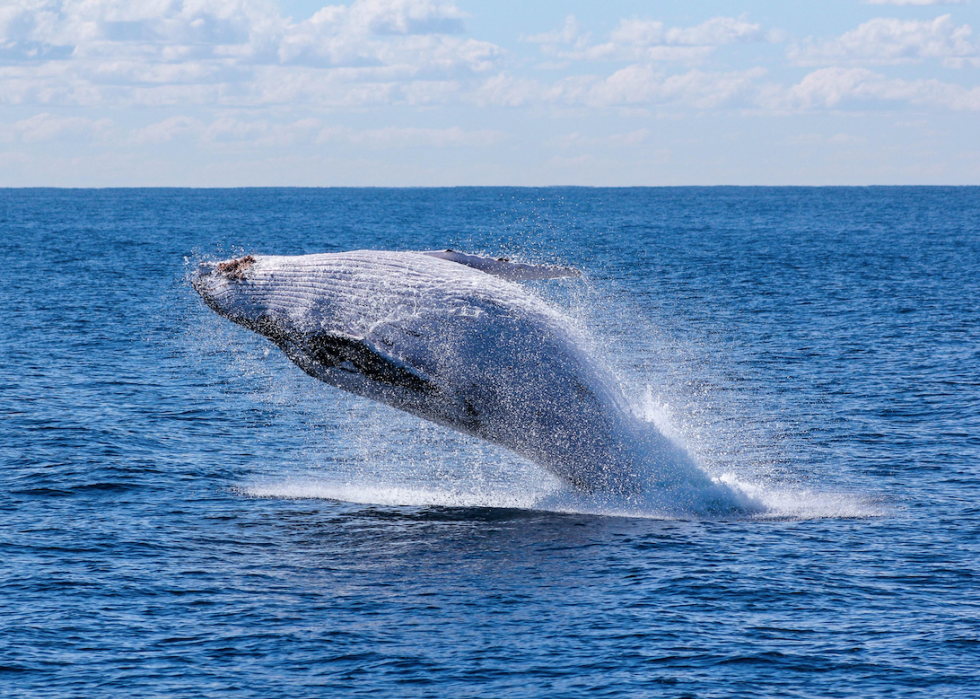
(235, 269)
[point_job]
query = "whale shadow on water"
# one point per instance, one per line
(453, 339)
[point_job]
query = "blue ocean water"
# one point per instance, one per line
(183, 512)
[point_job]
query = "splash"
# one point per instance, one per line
(763, 503)
(392, 460)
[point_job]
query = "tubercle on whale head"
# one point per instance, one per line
(225, 289)
(235, 269)
(211, 275)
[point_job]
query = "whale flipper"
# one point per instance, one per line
(504, 268)
(360, 356)
(324, 351)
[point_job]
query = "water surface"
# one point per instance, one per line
(185, 513)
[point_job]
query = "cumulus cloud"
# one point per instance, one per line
(262, 133)
(258, 133)
(506, 90)
(650, 40)
(167, 130)
(226, 51)
(239, 55)
(47, 127)
(32, 30)
(892, 41)
(834, 87)
(621, 140)
(646, 85)
(571, 33)
(411, 34)
(392, 137)
(715, 32)
(405, 16)
(813, 139)
(645, 43)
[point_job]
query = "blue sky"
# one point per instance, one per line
(437, 92)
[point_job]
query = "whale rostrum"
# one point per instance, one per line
(450, 338)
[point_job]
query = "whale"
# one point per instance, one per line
(460, 341)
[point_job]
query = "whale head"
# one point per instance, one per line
(237, 289)
(314, 309)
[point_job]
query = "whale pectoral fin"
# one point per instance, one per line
(359, 355)
(504, 268)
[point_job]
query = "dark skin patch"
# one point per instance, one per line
(236, 268)
(333, 350)
(313, 352)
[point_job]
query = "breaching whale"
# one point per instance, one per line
(453, 339)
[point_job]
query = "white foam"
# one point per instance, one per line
(391, 459)
(386, 495)
(760, 502)
(786, 501)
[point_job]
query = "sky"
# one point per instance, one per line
(224, 93)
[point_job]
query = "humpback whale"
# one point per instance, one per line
(454, 339)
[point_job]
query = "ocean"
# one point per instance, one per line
(184, 512)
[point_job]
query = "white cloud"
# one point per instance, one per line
(642, 85)
(153, 29)
(621, 140)
(813, 139)
(645, 86)
(631, 138)
(570, 34)
(244, 57)
(506, 90)
(892, 41)
(649, 40)
(376, 33)
(638, 32)
(229, 51)
(47, 127)
(168, 130)
(715, 32)
(406, 16)
(256, 133)
(262, 133)
(391, 137)
(830, 88)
